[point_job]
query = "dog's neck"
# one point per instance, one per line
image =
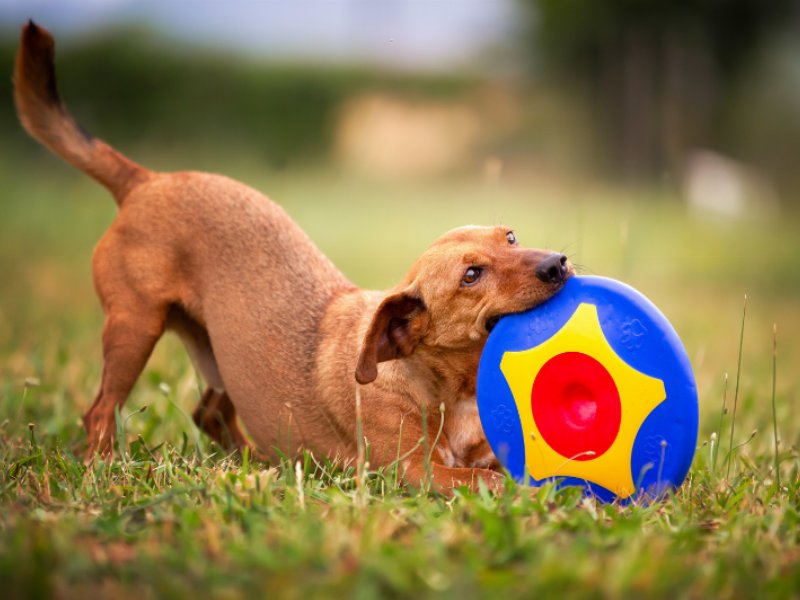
(452, 373)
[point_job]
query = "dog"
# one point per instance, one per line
(284, 342)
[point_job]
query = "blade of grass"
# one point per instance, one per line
(719, 429)
(742, 444)
(736, 393)
(774, 411)
(360, 455)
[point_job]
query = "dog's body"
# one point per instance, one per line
(275, 329)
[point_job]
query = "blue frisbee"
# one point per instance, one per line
(591, 388)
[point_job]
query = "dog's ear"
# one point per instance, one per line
(396, 328)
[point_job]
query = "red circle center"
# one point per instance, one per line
(576, 406)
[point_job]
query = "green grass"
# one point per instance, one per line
(171, 516)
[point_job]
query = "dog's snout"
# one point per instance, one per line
(553, 269)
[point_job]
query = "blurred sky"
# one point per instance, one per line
(413, 34)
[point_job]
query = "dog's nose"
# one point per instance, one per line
(552, 269)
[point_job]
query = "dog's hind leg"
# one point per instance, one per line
(216, 417)
(129, 335)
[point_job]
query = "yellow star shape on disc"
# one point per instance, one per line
(638, 394)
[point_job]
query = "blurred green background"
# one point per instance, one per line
(656, 142)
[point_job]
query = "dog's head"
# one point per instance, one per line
(455, 293)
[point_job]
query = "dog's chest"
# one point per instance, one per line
(467, 443)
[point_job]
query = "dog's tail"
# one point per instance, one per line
(46, 118)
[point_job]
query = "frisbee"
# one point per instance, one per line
(591, 388)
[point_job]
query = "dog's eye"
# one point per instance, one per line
(471, 275)
(512, 239)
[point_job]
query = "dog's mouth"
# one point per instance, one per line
(492, 321)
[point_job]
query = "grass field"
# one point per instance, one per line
(173, 517)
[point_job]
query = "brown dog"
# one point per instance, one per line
(277, 332)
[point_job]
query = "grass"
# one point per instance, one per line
(172, 516)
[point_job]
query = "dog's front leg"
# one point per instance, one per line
(445, 479)
(420, 456)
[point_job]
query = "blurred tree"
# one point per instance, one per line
(130, 87)
(657, 72)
